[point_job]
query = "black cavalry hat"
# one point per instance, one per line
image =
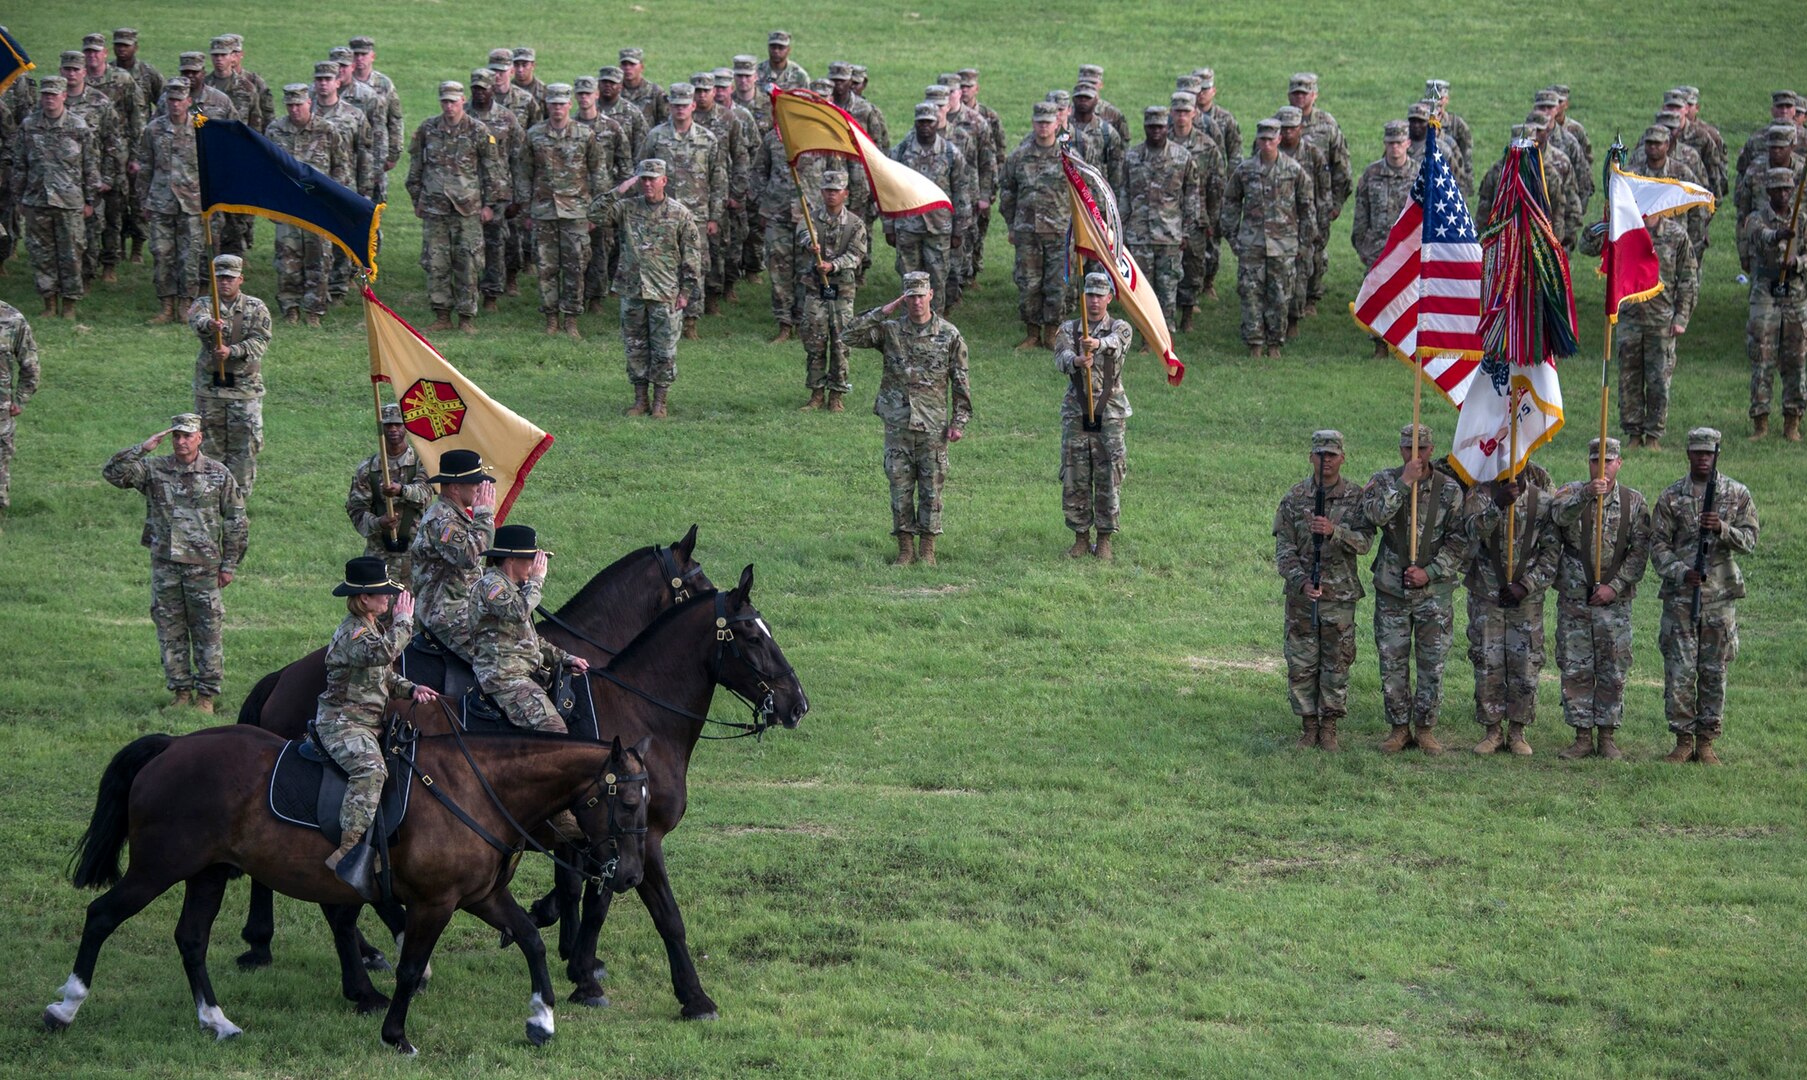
(514, 542)
(366, 575)
(460, 467)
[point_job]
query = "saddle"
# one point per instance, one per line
(307, 787)
(426, 662)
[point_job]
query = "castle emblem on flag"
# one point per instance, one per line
(432, 410)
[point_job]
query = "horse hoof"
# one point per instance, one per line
(538, 1036)
(371, 1004)
(53, 1022)
(709, 1014)
(598, 1000)
(252, 959)
(506, 939)
(377, 962)
(404, 1048)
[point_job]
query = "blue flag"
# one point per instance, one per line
(13, 61)
(244, 173)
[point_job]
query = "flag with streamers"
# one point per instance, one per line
(1098, 235)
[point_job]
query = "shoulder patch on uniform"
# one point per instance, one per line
(358, 633)
(497, 589)
(445, 534)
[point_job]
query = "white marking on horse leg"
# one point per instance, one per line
(214, 1020)
(74, 993)
(541, 1015)
(425, 972)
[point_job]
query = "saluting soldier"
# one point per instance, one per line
(446, 555)
(563, 172)
(1037, 211)
(510, 656)
(833, 256)
(1380, 196)
(1093, 463)
(1319, 629)
(1270, 219)
(1694, 549)
(195, 528)
(18, 353)
(168, 163)
(1505, 605)
(659, 279)
(458, 184)
(56, 180)
(386, 513)
(1776, 333)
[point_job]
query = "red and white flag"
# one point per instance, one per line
(1628, 260)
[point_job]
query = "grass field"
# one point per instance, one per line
(1044, 817)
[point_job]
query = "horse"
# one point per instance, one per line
(601, 617)
(193, 809)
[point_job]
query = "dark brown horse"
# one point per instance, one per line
(193, 808)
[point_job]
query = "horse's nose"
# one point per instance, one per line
(623, 882)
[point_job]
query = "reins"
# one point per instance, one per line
(675, 580)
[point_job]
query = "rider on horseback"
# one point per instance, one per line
(448, 541)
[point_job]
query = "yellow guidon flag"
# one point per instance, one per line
(443, 410)
(1098, 235)
(809, 122)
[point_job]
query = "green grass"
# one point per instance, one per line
(1044, 818)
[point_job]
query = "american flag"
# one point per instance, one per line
(1423, 295)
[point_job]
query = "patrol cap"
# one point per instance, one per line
(220, 46)
(834, 180)
(1060, 98)
(778, 37)
(859, 72)
(651, 166)
(935, 92)
(1418, 110)
(745, 65)
(681, 93)
(235, 41)
(583, 84)
(366, 575)
(1327, 441)
(1304, 80)
(1183, 102)
(187, 423)
(177, 89)
(949, 79)
(94, 43)
(633, 54)
(362, 44)
(1289, 116)
(326, 69)
(295, 93)
(969, 76)
(1436, 87)
(916, 283)
(1424, 435)
(1154, 116)
(1206, 78)
(1044, 111)
(340, 53)
(1562, 90)
(557, 93)
(1781, 97)
(483, 77)
(608, 73)
(722, 77)
(228, 266)
(73, 58)
(1656, 133)
(192, 61)
(501, 59)
(125, 35)
(1781, 176)
(839, 71)
(1536, 121)
(1670, 120)
(1395, 131)
(1779, 134)
(1267, 128)
(522, 52)
(822, 86)
(1677, 98)
(1545, 98)
(1612, 449)
(1097, 284)
(1703, 438)
(927, 110)
(1091, 71)
(392, 413)
(1084, 89)
(1190, 84)
(1693, 93)
(53, 84)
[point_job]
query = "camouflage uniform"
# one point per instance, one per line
(843, 244)
(1199, 261)
(364, 505)
(447, 557)
(696, 170)
(1315, 165)
(247, 97)
(383, 86)
(1269, 216)
(1774, 334)
(923, 240)
(649, 98)
(923, 366)
(1093, 463)
(374, 182)
(792, 77)
(1098, 143)
(508, 652)
(172, 206)
(563, 171)
(1159, 206)
(453, 172)
(986, 163)
(1676, 167)
(1646, 344)
(772, 187)
(1380, 195)
(733, 149)
(1593, 644)
(1033, 197)
(1422, 620)
(195, 526)
(1318, 658)
(1505, 642)
(1322, 131)
(56, 170)
(132, 109)
(510, 144)
(303, 259)
(662, 257)
(18, 350)
(349, 718)
(95, 110)
(1694, 664)
(232, 416)
(618, 165)
(747, 248)
(150, 83)
(1752, 190)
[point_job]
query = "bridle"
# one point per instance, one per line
(606, 790)
(679, 586)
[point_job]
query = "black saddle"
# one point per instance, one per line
(426, 662)
(307, 787)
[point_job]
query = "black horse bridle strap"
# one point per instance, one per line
(677, 581)
(542, 611)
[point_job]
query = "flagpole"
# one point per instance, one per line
(815, 244)
(213, 285)
(382, 455)
(1417, 403)
(1612, 157)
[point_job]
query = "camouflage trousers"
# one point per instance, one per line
(232, 433)
(1160, 264)
(1318, 658)
(177, 253)
(1694, 666)
(492, 269)
(927, 252)
(57, 240)
(781, 262)
(1593, 652)
(1092, 467)
(521, 253)
(1420, 629)
(10, 230)
(236, 233)
(7, 424)
(821, 370)
(599, 271)
(111, 213)
(649, 336)
(975, 263)
(525, 704)
(186, 610)
(302, 263)
(1264, 284)
(1040, 276)
(752, 252)
(1646, 366)
(715, 275)
(1506, 647)
(734, 246)
(449, 624)
(916, 465)
(451, 252)
(1200, 253)
(1320, 263)
(1773, 337)
(564, 250)
(136, 226)
(358, 749)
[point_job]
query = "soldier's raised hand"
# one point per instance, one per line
(154, 441)
(404, 606)
(538, 570)
(486, 496)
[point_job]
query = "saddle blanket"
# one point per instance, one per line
(306, 788)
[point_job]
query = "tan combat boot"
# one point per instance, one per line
(204, 703)
(815, 400)
(1211, 289)
(1308, 733)
(467, 325)
(1427, 740)
(783, 334)
(511, 286)
(1273, 352)
(1605, 747)
(552, 326)
(1396, 739)
(690, 333)
(1257, 350)
(1102, 549)
(1583, 746)
(489, 305)
(1684, 749)
(1703, 750)
(182, 700)
(1311, 310)
(1380, 348)
(292, 317)
(640, 406)
(925, 551)
(906, 550)
(50, 307)
(313, 320)
(712, 305)
(1653, 444)
(442, 320)
(593, 305)
(346, 843)
(1491, 742)
(1759, 426)
(659, 393)
(166, 314)
(109, 275)
(1082, 544)
(1791, 428)
(1187, 319)
(1292, 329)
(69, 308)
(835, 403)
(137, 252)
(1048, 332)
(1032, 338)
(1515, 740)
(1327, 735)
(571, 330)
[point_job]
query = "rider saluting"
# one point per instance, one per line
(506, 648)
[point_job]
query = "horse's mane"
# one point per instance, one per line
(587, 593)
(669, 614)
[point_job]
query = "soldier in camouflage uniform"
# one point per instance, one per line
(659, 279)
(774, 191)
(745, 73)
(447, 551)
(1648, 329)
(1753, 184)
(1545, 104)
(1094, 137)
(510, 144)
(618, 162)
(193, 68)
(1321, 131)
(563, 172)
(924, 368)
(458, 184)
(386, 516)
(515, 230)
(18, 352)
(696, 174)
(360, 681)
(172, 203)
(1657, 157)
(374, 175)
(1319, 634)
(235, 230)
(1593, 610)
(776, 69)
(1037, 211)
(1505, 606)
(96, 111)
(367, 150)
(925, 241)
(56, 179)
(1213, 171)
(1697, 649)
(150, 91)
(994, 132)
(229, 380)
(638, 90)
(1418, 121)
(986, 161)
(832, 256)
(962, 140)
(266, 102)
(733, 149)
(1455, 135)
(1311, 159)
(1093, 463)
(521, 63)
(1414, 601)
(130, 107)
(363, 69)
(1222, 120)
(509, 655)
(1776, 333)
(1781, 114)
(1159, 207)
(194, 524)
(303, 262)
(1094, 74)
(746, 92)
(741, 207)
(1702, 137)
(1380, 195)
(1270, 218)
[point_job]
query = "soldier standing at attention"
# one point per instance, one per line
(194, 524)
(229, 371)
(96, 110)
(563, 171)
(150, 91)
(774, 193)
(363, 69)
(925, 367)
(1322, 131)
(1033, 197)
(235, 230)
(1269, 217)
(1693, 549)
(1311, 161)
(659, 279)
(733, 147)
(1159, 205)
(56, 180)
(18, 351)
(1316, 556)
(385, 516)
(510, 143)
(1092, 463)
(303, 260)
(130, 107)
(647, 96)
(1414, 601)
(776, 69)
(1593, 612)
(1380, 195)
(1505, 606)
(1648, 329)
(1776, 334)
(1207, 157)
(924, 241)
(696, 175)
(447, 551)
(509, 653)
(457, 184)
(167, 163)
(839, 246)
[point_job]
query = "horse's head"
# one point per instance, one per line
(684, 577)
(748, 661)
(613, 816)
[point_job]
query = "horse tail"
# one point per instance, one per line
(252, 711)
(95, 863)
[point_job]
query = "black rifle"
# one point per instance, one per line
(1706, 543)
(1317, 538)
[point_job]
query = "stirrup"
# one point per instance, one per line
(357, 869)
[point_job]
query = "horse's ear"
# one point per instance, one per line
(615, 747)
(688, 544)
(745, 588)
(641, 749)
